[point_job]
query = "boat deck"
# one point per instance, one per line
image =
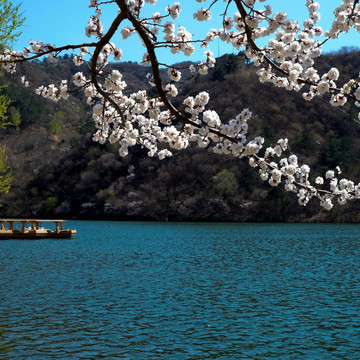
(31, 229)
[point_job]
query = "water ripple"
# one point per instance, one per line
(183, 291)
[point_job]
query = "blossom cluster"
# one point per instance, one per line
(288, 59)
(296, 178)
(138, 119)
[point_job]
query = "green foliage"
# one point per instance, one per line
(341, 152)
(15, 117)
(219, 73)
(269, 135)
(55, 124)
(225, 183)
(6, 177)
(10, 21)
(51, 203)
(4, 103)
(232, 64)
(152, 92)
(111, 200)
(307, 142)
(29, 104)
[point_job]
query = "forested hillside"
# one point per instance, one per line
(59, 172)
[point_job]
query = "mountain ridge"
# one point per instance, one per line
(59, 171)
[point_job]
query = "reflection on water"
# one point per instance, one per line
(183, 291)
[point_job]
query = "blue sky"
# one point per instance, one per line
(63, 22)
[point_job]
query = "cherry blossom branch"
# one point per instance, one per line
(154, 62)
(43, 50)
(287, 62)
(99, 46)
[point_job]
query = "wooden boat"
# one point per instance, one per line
(31, 229)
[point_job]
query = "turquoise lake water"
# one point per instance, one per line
(127, 290)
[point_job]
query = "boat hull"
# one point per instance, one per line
(32, 235)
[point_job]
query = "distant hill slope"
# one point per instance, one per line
(60, 172)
